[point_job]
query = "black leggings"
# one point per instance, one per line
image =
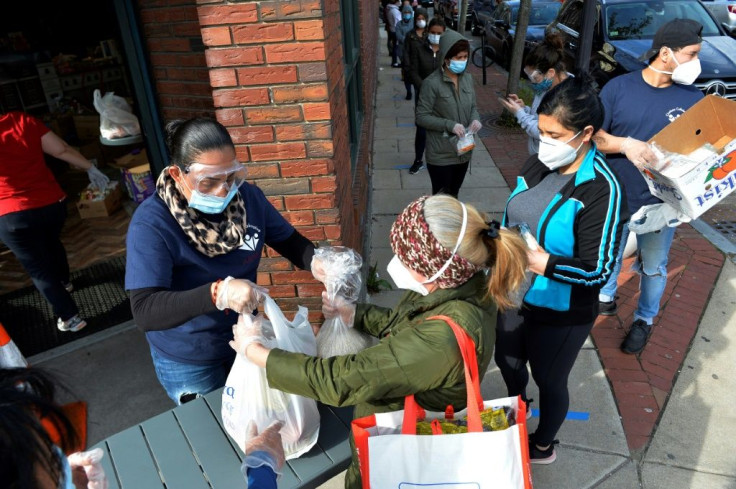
(447, 179)
(420, 136)
(551, 352)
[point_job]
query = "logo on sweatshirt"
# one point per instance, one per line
(251, 238)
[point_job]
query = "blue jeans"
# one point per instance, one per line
(652, 250)
(33, 236)
(188, 380)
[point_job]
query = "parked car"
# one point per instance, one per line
(624, 30)
(482, 11)
(725, 13)
(501, 26)
(449, 10)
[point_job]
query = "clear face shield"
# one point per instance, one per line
(216, 181)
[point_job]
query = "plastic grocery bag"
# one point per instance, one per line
(338, 267)
(247, 396)
(116, 117)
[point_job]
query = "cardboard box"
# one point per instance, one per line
(132, 159)
(88, 127)
(136, 173)
(707, 182)
(100, 208)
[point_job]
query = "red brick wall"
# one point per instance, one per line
(273, 73)
(172, 35)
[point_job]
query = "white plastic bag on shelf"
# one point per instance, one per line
(247, 396)
(116, 116)
(338, 267)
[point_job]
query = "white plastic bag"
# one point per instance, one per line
(247, 396)
(116, 117)
(651, 218)
(339, 269)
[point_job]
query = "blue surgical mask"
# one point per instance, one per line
(211, 204)
(434, 38)
(66, 470)
(542, 86)
(407, 17)
(457, 66)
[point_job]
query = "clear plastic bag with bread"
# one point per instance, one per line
(339, 269)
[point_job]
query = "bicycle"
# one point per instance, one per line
(479, 59)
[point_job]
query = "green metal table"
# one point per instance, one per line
(188, 448)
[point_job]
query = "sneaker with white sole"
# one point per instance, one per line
(73, 324)
(415, 167)
(68, 286)
(542, 457)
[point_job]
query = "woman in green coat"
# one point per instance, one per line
(452, 262)
(446, 109)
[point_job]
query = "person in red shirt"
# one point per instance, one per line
(33, 208)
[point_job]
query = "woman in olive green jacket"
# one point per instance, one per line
(446, 109)
(453, 263)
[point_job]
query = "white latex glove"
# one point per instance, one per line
(246, 331)
(458, 130)
(87, 471)
(338, 307)
(264, 449)
(239, 294)
(638, 152)
(97, 178)
(474, 127)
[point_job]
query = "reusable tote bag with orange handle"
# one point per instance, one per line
(393, 456)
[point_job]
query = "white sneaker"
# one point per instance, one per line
(73, 324)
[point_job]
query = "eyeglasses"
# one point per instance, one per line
(209, 180)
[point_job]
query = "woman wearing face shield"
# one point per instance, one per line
(446, 109)
(193, 250)
(574, 207)
(545, 68)
(452, 262)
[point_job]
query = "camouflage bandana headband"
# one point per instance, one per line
(418, 249)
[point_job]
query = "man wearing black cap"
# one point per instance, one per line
(638, 105)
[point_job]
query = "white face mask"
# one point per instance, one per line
(684, 73)
(421, 24)
(402, 276)
(556, 154)
(687, 72)
(434, 38)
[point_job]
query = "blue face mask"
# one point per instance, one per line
(66, 470)
(457, 67)
(542, 86)
(211, 204)
(407, 17)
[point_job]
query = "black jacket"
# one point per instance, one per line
(419, 58)
(581, 230)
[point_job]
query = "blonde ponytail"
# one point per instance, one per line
(508, 271)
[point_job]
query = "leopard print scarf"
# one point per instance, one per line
(209, 238)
